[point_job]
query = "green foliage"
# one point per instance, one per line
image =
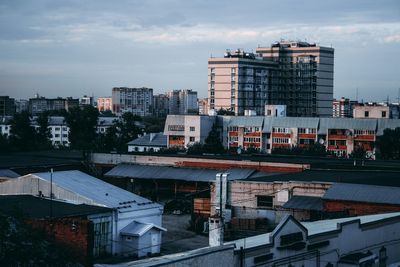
(22, 134)
(388, 144)
(195, 149)
(213, 142)
(119, 134)
(154, 124)
(311, 150)
(43, 134)
(222, 111)
(358, 153)
(82, 124)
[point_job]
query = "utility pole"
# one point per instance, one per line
(51, 193)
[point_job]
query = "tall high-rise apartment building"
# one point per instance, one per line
(39, 104)
(305, 78)
(239, 81)
(139, 101)
(7, 106)
(161, 105)
(183, 102)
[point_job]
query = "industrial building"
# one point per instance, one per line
(135, 224)
(371, 240)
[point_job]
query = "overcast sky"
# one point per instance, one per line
(76, 47)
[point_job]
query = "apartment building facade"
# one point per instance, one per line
(343, 108)
(304, 79)
(341, 136)
(183, 102)
(39, 104)
(161, 105)
(7, 106)
(239, 81)
(138, 101)
(371, 110)
(104, 104)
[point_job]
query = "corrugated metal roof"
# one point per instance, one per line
(304, 203)
(346, 123)
(247, 121)
(159, 140)
(363, 193)
(295, 122)
(387, 123)
(8, 173)
(174, 173)
(106, 121)
(99, 191)
(36, 207)
(138, 229)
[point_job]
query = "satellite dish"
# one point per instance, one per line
(321, 141)
(348, 133)
(239, 151)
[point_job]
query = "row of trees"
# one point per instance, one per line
(83, 135)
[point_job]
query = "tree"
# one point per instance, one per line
(4, 144)
(195, 149)
(22, 134)
(126, 130)
(222, 111)
(43, 133)
(213, 142)
(388, 144)
(82, 123)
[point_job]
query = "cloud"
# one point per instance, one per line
(392, 39)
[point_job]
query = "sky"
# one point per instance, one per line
(77, 47)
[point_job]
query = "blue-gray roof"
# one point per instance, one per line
(97, 190)
(363, 193)
(247, 121)
(387, 124)
(295, 122)
(304, 203)
(174, 173)
(346, 123)
(152, 139)
(8, 173)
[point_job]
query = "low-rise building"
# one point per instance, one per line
(151, 142)
(135, 224)
(183, 131)
(371, 110)
(340, 136)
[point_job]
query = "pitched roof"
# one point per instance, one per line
(363, 193)
(36, 207)
(152, 139)
(174, 173)
(99, 191)
(246, 121)
(138, 228)
(387, 123)
(8, 173)
(304, 203)
(346, 123)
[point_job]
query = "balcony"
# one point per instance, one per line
(364, 138)
(337, 137)
(337, 147)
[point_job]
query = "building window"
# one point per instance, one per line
(191, 139)
(192, 129)
(383, 114)
(366, 114)
(265, 201)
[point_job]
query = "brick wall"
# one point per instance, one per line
(73, 233)
(358, 208)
